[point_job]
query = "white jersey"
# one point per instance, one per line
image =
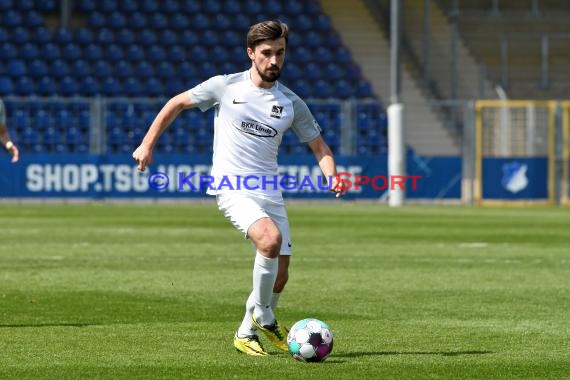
(249, 124)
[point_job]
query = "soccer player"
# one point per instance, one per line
(252, 112)
(5, 139)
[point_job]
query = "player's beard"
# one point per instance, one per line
(271, 77)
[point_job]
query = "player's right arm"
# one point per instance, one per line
(143, 154)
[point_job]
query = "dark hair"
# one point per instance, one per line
(266, 30)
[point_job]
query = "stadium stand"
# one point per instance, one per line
(132, 49)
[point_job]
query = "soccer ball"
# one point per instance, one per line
(310, 340)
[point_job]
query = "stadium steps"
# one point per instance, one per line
(524, 50)
(471, 84)
(425, 131)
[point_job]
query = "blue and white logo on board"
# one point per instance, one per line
(514, 177)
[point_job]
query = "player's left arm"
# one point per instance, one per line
(325, 158)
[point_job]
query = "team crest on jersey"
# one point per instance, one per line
(255, 128)
(276, 112)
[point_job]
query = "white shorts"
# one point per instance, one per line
(242, 210)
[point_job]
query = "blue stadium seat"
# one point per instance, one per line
(168, 37)
(8, 51)
(322, 23)
(113, 52)
(302, 23)
(222, 21)
(147, 37)
(46, 5)
(179, 21)
(4, 35)
(174, 86)
(41, 119)
(137, 20)
(12, 19)
(59, 68)
(241, 21)
(96, 20)
(156, 54)
(46, 86)
(63, 119)
(25, 86)
(333, 71)
(123, 69)
(83, 36)
(108, 6)
(20, 35)
(6, 85)
(50, 51)
(38, 68)
(20, 120)
(105, 36)
(29, 51)
(169, 7)
(342, 55)
(128, 6)
(364, 89)
(80, 68)
(252, 7)
(177, 54)
(133, 87)
(6, 5)
(74, 137)
(16, 67)
(125, 36)
(93, 52)
(153, 87)
(116, 20)
(323, 89)
(41, 35)
(144, 69)
(189, 38)
(313, 71)
(212, 7)
(165, 70)
(313, 39)
(187, 70)
(198, 53)
(324, 53)
(158, 21)
(111, 87)
(219, 54)
(86, 5)
(210, 37)
(68, 86)
(191, 6)
(301, 88)
(62, 36)
(71, 52)
(200, 21)
(89, 86)
(102, 69)
(135, 53)
(149, 6)
(344, 89)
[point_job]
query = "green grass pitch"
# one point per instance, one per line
(156, 291)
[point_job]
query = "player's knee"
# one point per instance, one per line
(270, 244)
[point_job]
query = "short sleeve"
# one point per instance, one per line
(304, 124)
(208, 93)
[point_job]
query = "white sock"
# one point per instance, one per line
(264, 274)
(275, 300)
(247, 327)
